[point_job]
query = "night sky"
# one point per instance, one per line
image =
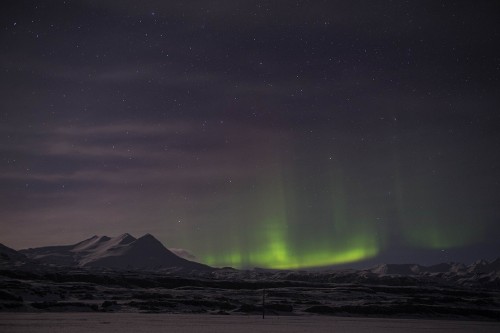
(278, 134)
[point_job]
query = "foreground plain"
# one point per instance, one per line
(151, 323)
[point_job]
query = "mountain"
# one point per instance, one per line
(478, 267)
(183, 254)
(484, 266)
(8, 255)
(399, 269)
(122, 252)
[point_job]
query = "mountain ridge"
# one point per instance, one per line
(121, 252)
(147, 253)
(479, 266)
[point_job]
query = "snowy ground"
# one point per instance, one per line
(151, 323)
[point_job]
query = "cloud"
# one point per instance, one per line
(143, 153)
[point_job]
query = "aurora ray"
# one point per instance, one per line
(279, 241)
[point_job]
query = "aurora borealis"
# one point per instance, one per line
(273, 134)
(278, 238)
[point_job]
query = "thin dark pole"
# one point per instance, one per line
(263, 303)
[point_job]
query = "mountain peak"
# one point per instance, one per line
(125, 238)
(148, 235)
(481, 262)
(148, 238)
(149, 241)
(121, 252)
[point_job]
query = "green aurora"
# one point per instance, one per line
(341, 228)
(277, 239)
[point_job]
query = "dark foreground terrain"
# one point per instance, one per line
(231, 292)
(104, 275)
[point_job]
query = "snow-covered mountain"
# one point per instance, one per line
(484, 266)
(122, 252)
(415, 269)
(480, 266)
